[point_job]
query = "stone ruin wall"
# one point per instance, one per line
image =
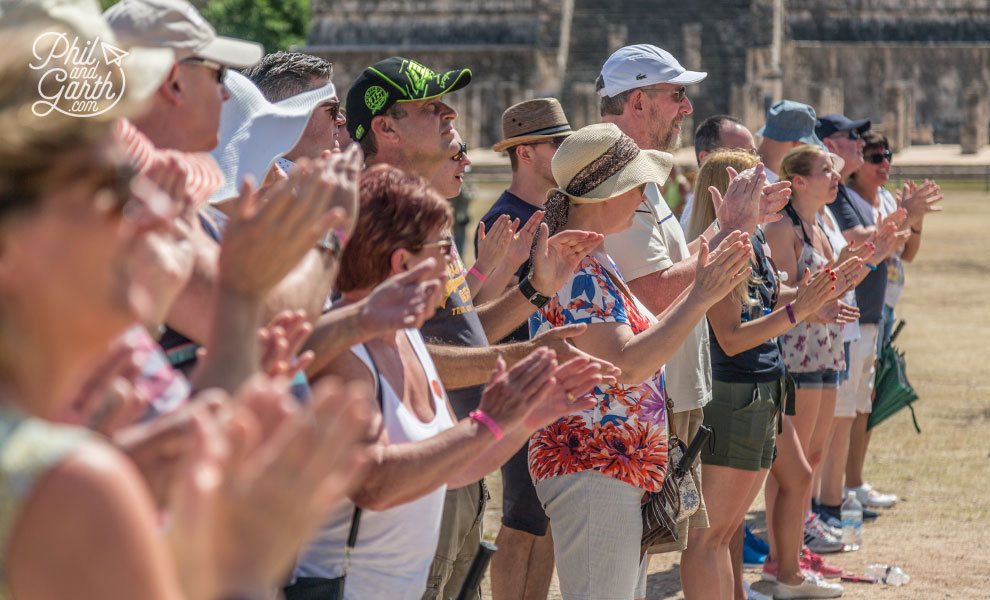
(511, 47)
(918, 68)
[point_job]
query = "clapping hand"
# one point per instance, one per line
(405, 300)
(813, 291)
(109, 400)
(259, 481)
(522, 242)
(919, 201)
(494, 245)
(281, 340)
(558, 340)
(838, 313)
(739, 209)
(268, 234)
(557, 258)
(720, 271)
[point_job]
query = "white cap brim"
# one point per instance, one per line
(232, 52)
(689, 78)
(254, 132)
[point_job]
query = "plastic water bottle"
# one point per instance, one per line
(889, 575)
(852, 523)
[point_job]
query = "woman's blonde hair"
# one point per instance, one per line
(799, 161)
(713, 173)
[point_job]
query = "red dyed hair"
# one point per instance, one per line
(397, 210)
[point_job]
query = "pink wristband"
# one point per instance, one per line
(477, 274)
(481, 417)
(790, 313)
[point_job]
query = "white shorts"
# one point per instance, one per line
(597, 526)
(856, 393)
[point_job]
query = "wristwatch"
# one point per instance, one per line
(331, 242)
(535, 298)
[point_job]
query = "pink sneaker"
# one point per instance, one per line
(816, 564)
(769, 572)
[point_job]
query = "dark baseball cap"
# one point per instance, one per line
(393, 80)
(827, 125)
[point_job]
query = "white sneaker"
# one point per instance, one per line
(819, 539)
(813, 586)
(868, 496)
(752, 594)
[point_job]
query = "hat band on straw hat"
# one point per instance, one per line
(613, 160)
(565, 128)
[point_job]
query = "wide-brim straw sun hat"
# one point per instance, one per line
(599, 162)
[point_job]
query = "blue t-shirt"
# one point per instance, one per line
(517, 208)
(871, 291)
(763, 362)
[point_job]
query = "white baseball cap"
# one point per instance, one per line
(642, 65)
(176, 24)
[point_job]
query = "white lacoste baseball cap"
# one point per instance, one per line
(642, 65)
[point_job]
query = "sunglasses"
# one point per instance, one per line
(334, 109)
(220, 69)
(446, 246)
(877, 158)
(461, 153)
(852, 134)
(678, 94)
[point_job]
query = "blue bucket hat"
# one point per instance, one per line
(790, 121)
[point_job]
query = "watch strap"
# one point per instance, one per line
(535, 298)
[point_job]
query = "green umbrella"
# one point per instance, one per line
(892, 390)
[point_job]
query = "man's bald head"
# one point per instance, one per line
(721, 131)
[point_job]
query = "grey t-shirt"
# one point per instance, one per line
(456, 323)
(654, 243)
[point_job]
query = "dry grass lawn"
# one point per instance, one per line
(939, 532)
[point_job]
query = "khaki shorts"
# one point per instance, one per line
(856, 393)
(460, 534)
(686, 425)
(743, 418)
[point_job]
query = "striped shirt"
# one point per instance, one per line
(203, 175)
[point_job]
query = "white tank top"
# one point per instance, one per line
(395, 547)
(850, 331)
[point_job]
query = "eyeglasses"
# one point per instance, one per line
(446, 246)
(461, 153)
(852, 134)
(877, 158)
(220, 69)
(678, 94)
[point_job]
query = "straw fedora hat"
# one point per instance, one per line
(532, 121)
(599, 162)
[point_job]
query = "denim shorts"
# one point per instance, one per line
(822, 379)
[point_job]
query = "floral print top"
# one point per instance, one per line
(809, 347)
(625, 435)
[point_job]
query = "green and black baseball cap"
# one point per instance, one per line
(393, 80)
